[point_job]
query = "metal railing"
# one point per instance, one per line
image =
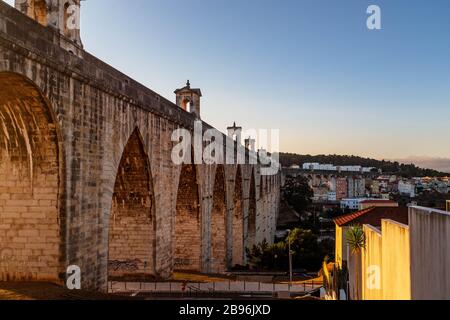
(224, 287)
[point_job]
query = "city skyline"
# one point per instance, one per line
(311, 69)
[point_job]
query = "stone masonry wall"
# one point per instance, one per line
(92, 111)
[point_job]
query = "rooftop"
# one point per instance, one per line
(373, 216)
(188, 88)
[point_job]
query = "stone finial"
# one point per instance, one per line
(235, 131)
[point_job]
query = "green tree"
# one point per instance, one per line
(304, 243)
(297, 193)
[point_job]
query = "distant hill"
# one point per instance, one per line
(391, 167)
(439, 164)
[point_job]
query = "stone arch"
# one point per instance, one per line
(219, 223)
(187, 239)
(262, 205)
(238, 220)
(131, 237)
(251, 226)
(32, 218)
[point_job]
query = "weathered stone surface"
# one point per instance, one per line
(86, 174)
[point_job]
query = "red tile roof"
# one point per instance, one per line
(373, 216)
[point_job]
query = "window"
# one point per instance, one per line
(187, 105)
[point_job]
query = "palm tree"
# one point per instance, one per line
(356, 240)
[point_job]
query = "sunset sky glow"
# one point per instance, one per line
(309, 68)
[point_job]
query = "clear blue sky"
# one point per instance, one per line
(308, 67)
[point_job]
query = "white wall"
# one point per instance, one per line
(430, 253)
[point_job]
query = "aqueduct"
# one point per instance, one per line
(86, 176)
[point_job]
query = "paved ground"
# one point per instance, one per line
(51, 291)
(47, 291)
(195, 277)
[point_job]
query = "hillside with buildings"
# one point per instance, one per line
(349, 185)
(387, 167)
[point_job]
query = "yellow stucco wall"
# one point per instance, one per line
(396, 265)
(338, 244)
(372, 265)
(414, 259)
(341, 249)
(356, 274)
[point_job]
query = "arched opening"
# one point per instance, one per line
(266, 197)
(218, 224)
(238, 221)
(262, 208)
(30, 233)
(186, 105)
(252, 213)
(66, 19)
(38, 11)
(188, 233)
(131, 225)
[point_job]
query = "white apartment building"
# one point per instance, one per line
(364, 203)
(319, 167)
(360, 187)
(351, 203)
(350, 187)
(332, 196)
(407, 188)
(329, 167)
